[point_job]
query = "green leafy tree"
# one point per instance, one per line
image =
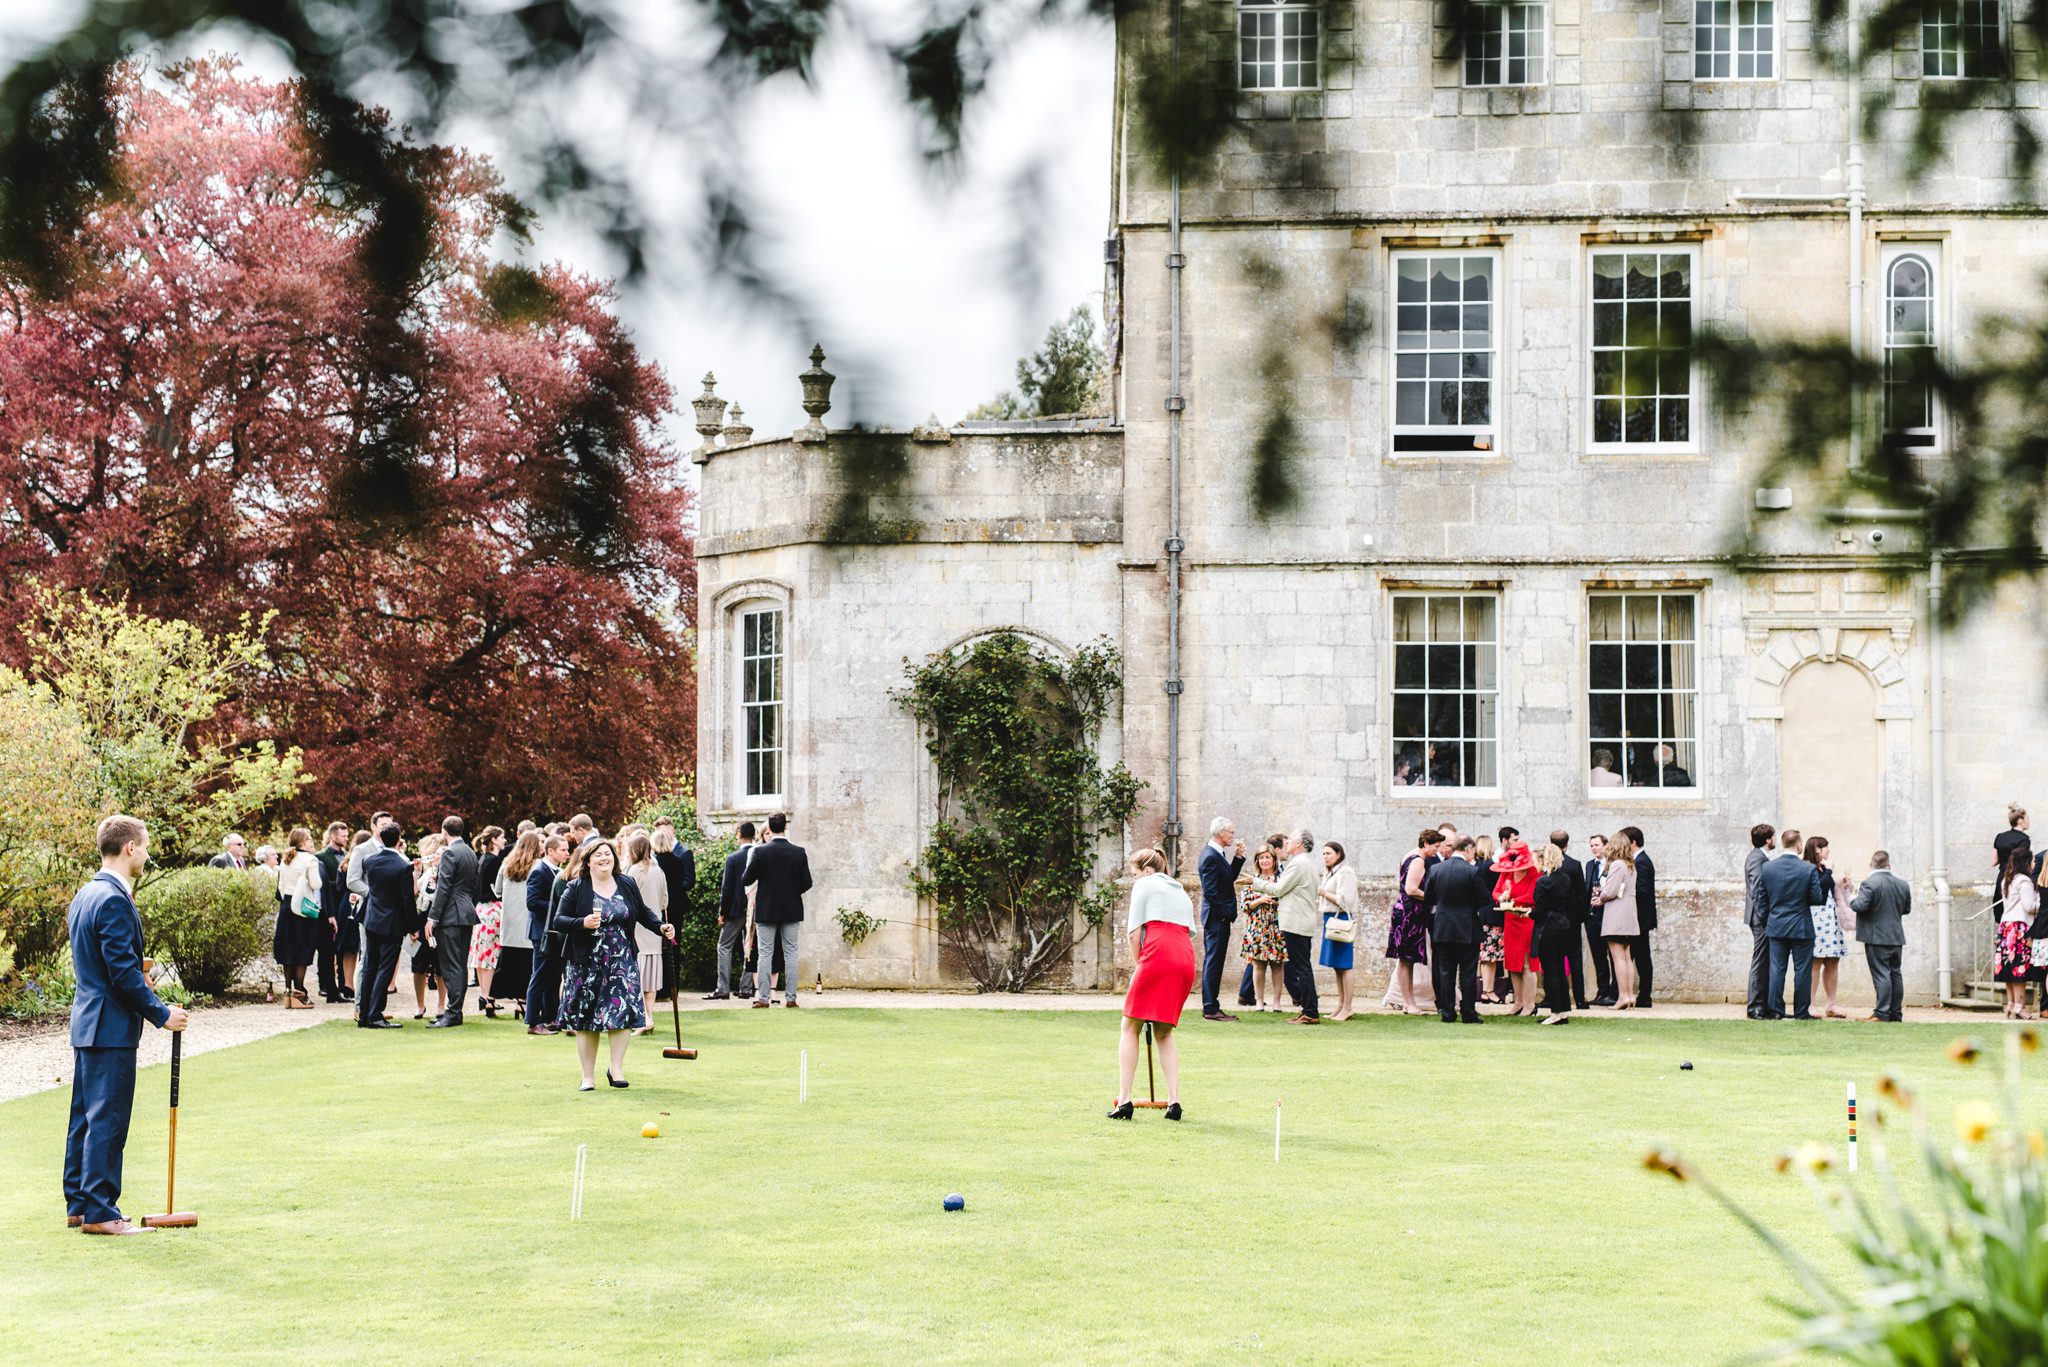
(48, 786)
(153, 699)
(1065, 376)
(1012, 864)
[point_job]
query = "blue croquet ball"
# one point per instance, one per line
(956, 1202)
(1685, 1067)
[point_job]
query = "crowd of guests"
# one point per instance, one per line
(561, 926)
(2021, 957)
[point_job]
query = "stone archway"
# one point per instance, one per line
(1830, 762)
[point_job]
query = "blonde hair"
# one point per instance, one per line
(1482, 848)
(525, 854)
(1148, 861)
(1549, 859)
(1620, 849)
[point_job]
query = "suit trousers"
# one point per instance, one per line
(1759, 970)
(1887, 979)
(102, 1100)
(732, 949)
(767, 939)
(1556, 957)
(1639, 946)
(324, 957)
(451, 948)
(1455, 967)
(1301, 972)
(1799, 954)
(380, 961)
(1604, 987)
(544, 988)
(1215, 950)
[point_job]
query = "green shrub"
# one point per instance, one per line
(696, 924)
(208, 923)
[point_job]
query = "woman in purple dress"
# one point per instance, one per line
(1408, 925)
(601, 985)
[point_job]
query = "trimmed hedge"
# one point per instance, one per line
(209, 924)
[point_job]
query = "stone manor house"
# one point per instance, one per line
(1466, 277)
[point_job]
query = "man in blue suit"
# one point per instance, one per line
(111, 1000)
(544, 988)
(1221, 859)
(1791, 889)
(389, 913)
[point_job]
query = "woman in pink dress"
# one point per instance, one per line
(1162, 931)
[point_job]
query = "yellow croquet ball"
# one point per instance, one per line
(650, 1131)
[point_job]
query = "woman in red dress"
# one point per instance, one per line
(1162, 931)
(1514, 893)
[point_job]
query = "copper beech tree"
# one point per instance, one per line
(455, 499)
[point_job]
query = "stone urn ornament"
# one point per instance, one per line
(817, 383)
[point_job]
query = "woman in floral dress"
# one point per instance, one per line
(2019, 901)
(601, 985)
(1262, 947)
(1408, 925)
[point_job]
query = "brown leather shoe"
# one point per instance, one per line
(761, 1003)
(123, 1226)
(73, 1221)
(1217, 1016)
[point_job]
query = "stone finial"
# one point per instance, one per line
(932, 430)
(736, 432)
(710, 416)
(817, 383)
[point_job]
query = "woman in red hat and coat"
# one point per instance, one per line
(1514, 893)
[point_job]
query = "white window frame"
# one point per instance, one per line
(1695, 408)
(1929, 255)
(1428, 593)
(745, 798)
(1501, 24)
(1930, 20)
(1625, 792)
(1308, 22)
(1491, 431)
(1734, 29)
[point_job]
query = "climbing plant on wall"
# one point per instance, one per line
(1024, 800)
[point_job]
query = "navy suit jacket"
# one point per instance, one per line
(1646, 891)
(1792, 888)
(1219, 884)
(732, 892)
(390, 908)
(540, 885)
(112, 996)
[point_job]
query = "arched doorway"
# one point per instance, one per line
(1828, 761)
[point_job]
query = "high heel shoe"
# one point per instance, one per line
(1173, 1111)
(1123, 1112)
(615, 1081)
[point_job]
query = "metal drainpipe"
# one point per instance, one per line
(1937, 742)
(1855, 187)
(1175, 403)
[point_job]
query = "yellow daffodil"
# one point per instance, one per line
(1975, 1120)
(1964, 1051)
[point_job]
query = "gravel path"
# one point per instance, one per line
(39, 1062)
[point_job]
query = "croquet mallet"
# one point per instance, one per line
(173, 1219)
(1151, 1088)
(675, 1001)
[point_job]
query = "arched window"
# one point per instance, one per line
(1911, 342)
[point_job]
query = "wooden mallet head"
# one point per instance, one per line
(674, 1052)
(177, 1219)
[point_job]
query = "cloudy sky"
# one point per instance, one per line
(912, 279)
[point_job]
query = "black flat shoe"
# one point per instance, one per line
(615, 1081)
(1173, 1111)
(1123, 1112)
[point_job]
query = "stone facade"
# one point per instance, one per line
(1805, 657)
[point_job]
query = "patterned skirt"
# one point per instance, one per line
(603, 993)
(1408, 932)
(1262, 942)
(1494, 948)
(1828, 942)
(483, 944)
(2015, 955)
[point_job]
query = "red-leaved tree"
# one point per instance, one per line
(457, 502)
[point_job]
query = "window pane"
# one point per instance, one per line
(1642, 699)
(1606, 666)
(1408, 666)
(1445, 699)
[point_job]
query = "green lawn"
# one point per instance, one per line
(1443, 1195)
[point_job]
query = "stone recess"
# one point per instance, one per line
(1289, 241)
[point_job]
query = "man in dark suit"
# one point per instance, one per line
(452, 918)
(732, 914)
(1221, 860)
(234, 854)
(110, 1000)
(389, 914)
(1605, 988)
(1792, 888)
(1578, 899)
(1755, 914)
(1460, 896)
(544, 988)
(678, 865)
(1646, 914)
(780, 874)
(1880, 906)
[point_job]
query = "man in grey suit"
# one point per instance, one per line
(1879, 905)
(1756, 911)
(451, 919)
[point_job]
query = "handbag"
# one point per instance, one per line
(306, 906)
(1340, 928)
